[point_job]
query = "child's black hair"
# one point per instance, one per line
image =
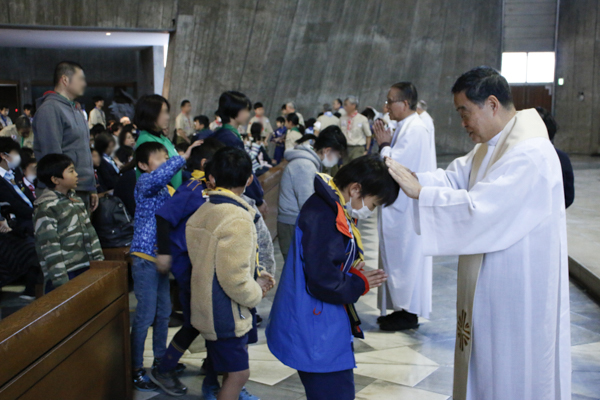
(128, 129)
(115, 127)
(373, 176)
(102, 141)
(203, 120)
(295, 120)
(231, 103)
(144, 150)
(281, 120)
(256, 131)
(205, 151)
(97, 129)
(7, 145)
(332, 136)
(52, 165)
(230, 167)
(258, 104)
(26, 159)
(182, 147)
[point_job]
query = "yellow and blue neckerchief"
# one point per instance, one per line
(343, 219)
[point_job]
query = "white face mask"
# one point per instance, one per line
(363, 213)
(31, 177)
(329, 162)
(14, 162)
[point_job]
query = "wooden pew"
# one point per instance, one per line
(72, 343)
(270, 183)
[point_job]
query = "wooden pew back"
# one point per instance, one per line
(72, 343)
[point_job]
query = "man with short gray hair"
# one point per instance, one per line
(357, 130)
(290, 107)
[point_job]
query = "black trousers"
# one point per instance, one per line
(327, 386)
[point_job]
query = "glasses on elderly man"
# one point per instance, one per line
(388, 101)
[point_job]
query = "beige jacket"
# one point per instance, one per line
(11, 131)
(359, 129)
(328, 120)
(221, 239)
(267, 128)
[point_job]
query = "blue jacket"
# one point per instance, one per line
(177, 210)
(150, 194)
(311, 323)
(229, 138)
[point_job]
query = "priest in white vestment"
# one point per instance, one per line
(408, 288)
(501, 208)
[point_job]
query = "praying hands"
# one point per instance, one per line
(382, 133)
(407, 179)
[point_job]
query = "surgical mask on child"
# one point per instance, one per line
(363, 213)
(14, 162)
(31, 177)
(329, 162)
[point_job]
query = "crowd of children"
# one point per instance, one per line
(197, 210)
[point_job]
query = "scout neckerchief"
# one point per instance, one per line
(347, 226)
(234, 130)
(198, 180)
(350, 119)
(527, 124)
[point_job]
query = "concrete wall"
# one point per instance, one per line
(122, 14)
(578, 58)
(312, 51)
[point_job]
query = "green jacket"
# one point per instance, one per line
(146, 136)
(65, 239)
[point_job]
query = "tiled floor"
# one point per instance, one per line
(416, 364)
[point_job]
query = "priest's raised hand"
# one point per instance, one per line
(407, 179)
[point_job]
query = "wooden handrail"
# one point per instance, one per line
(54, 329)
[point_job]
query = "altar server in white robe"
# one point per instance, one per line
(501, 208)
(408, 288)
(422, 111)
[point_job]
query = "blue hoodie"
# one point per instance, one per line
(177, 210)
(313, 319)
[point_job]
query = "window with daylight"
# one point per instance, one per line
(528, 67)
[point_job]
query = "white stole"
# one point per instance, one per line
(527, 125)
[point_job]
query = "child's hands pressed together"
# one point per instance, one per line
(375, 277)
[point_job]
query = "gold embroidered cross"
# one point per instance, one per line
(463, 331)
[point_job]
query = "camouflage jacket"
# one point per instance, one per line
(65, 239)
